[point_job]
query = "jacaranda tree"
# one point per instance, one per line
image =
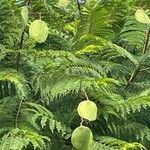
(74, 75)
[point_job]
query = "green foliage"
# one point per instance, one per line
(9, 77)
(96, 49)
(18, 139)
(115, 144)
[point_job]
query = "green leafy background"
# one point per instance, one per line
(96, 46)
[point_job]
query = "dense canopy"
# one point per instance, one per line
(55, 54)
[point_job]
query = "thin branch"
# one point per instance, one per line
(20, 47)
(137, 68)
(146, 41)
(141, 1)
(18, 112)
(81, 121)
(29, 2)
(79, 8)
(21, 43)
(133, 75)
(17, 65)
(85, 94)
(80, 87)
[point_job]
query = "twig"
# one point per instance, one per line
(18, 112)
(81, 121)
(21, 43)
(133, 75)
(29, 2)
(20, 47)
(146, 41)
(137, 68)
(17, 65)
(85, 94)
(141, 1)
(80, 87)
(40, 16)
(79, 8)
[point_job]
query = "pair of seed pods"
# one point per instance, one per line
(82, 136)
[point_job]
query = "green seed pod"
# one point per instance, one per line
(142, 17)
(38, 31)
(87, 110)
(82, 138)
(63, 3)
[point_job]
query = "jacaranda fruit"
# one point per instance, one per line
(87, 110)
(82, 138)
(38, 31)
(142, 17)
(63, 3)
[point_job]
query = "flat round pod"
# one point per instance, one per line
(87, 110)
(82, 138)
(63, 3)
(39, 31)
(142, 17)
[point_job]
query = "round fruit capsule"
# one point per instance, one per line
(82, 138)
(38, 31)
(142, 17)
(63, 3)
(87, 110)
